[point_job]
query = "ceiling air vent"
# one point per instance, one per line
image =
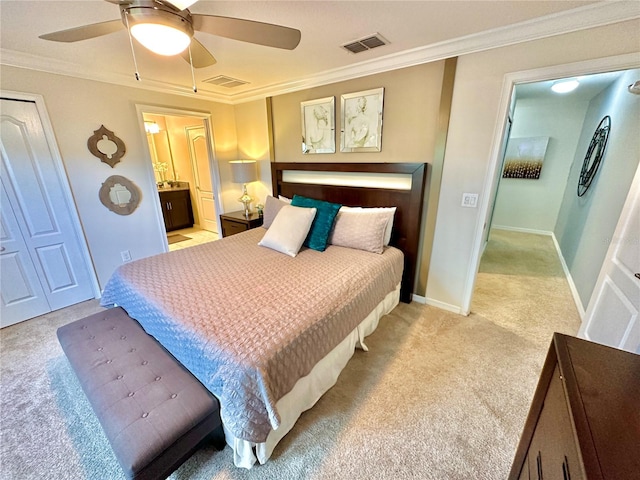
(366, 43)
(224, 81)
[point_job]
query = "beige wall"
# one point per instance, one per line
(475, 122)
(76, 108)
(411, 105)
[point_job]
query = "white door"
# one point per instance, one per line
(22, 294)
(612, 313)
(38, 230)
(199, 152)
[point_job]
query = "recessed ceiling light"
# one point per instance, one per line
(565, 86)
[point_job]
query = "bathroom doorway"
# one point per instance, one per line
(185, 171)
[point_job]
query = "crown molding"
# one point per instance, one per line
(590, 16)
(27, 61)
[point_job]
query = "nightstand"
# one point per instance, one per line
(236, 222)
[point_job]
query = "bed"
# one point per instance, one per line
(267, 333)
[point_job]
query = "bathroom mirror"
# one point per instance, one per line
(120, 195)
(161, 156)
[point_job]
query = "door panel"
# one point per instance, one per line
(36, 193)
(612, 314)
(199, 151)
(20, 289)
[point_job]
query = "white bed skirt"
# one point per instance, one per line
(308, 390)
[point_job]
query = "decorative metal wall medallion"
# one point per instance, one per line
(106, 146)
(594, 156)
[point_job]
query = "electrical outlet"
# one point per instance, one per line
(126, 256)
(470, 200)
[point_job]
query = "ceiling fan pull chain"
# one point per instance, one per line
(133, 53)
(193, 75)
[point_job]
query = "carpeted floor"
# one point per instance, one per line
(438, 396)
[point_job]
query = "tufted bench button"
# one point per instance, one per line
(150, 448)
(92, 337)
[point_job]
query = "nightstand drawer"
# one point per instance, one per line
(236, 222)
(231, 228)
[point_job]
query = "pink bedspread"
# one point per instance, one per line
(247, 321)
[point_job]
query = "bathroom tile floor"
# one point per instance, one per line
(196, 237)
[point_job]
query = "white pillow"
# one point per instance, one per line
(389, 211)
(363, 230)
(284, 199)
(289, 229)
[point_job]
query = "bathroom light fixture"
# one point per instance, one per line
(565, 86)
(151, 127)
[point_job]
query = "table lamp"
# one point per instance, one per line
(244, 171)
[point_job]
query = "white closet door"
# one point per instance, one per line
(20, 289)
(36, 195)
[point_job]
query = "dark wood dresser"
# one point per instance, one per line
(584, 421)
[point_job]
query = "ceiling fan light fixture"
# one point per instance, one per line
(161, 39)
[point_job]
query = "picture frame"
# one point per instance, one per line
(318, 126)
(361, 129)
(524, 157)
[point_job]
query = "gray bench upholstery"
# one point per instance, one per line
(154, 412)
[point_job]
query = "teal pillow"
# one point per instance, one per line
(322, 223)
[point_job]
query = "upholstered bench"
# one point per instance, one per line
(154, 412)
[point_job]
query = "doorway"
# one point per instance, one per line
(549, 205)
(181, 156)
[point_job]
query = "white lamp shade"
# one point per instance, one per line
(244, 171)
(161, 39)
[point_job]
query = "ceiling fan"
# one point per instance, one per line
(167, 27)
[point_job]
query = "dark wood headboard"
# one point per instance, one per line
(406, 225)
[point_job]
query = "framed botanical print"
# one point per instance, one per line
(362, 121)
(318, 126)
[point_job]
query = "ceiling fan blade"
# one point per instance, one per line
(248, 31)
(200, 55)
(84, 32)
(181, 4)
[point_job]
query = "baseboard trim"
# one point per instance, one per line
(567, 274)
(443, 306)
(522, 230)
(419, 299)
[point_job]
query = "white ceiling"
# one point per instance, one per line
(418, 31)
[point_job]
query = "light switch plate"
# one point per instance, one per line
(470, 200)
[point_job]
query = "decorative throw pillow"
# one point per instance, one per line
(289, 229)
(322, 224)
(271, 208)
(388, 211)
(360, 230)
